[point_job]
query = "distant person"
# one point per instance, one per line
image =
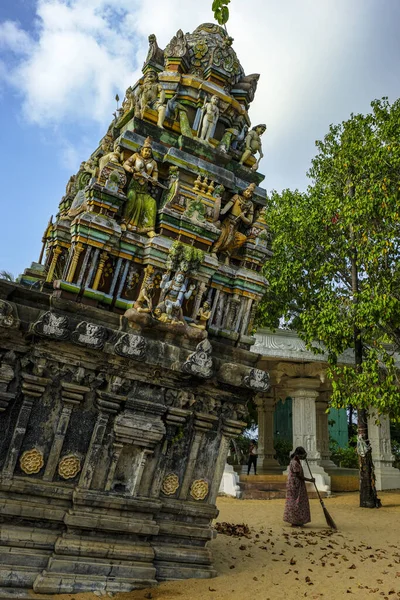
(252, 457)
(297, 507)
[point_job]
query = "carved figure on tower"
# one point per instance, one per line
(174, 291)
(140, 209)
(151, 95)
(253, 145)
(210, 117)
(239, 209)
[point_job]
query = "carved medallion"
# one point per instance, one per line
(132, 346)
(7, 318)
(199, 489)
(257, 380)
(52, 326)
(69, 466)
(200, 362)
(31, 461)
(89, 335)
(170, 484)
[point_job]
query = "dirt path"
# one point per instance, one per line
(361, 560)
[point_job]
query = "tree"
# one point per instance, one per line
(335, 272)
(7, 276)
(221, 11)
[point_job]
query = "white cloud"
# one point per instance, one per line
(82, 52)
(13, 38)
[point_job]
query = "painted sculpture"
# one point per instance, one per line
(140, 209)
(210, 114)
(253, 145)
(151, 95)
(239, 209)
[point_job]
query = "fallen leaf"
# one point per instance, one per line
(210, 589)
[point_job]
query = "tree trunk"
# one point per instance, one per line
(368, 495)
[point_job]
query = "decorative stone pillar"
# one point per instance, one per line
(102, 262)
(71, 395)
(230, 428)
(266, 463)
(107, 404)
(202, 424)
(323, 435)
(56, 253)
(387, 477)
(74, 262)
(304, 395)
(33, 388)
(198, 299)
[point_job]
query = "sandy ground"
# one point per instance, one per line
(361, 560)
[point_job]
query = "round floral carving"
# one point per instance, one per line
(199, 489)
(170, 484)
(31, 461)
(69, 466)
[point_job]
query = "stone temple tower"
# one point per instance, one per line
(125, 365)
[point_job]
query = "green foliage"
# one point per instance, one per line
(221, 11)
(335, 269)
(283, 449)
(182, 256)
(343, 457)
(7, 276)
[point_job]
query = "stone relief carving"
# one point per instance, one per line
(7, 318)
(52, 326)
(257, 380)
(69, 466)
(200, 362)
(89, 335)
(132, 346)
(31, 461)
(180, 398)
(199, 489)
(170, 484)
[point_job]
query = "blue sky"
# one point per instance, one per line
(63, 61)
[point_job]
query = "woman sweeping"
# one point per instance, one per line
(297, 507)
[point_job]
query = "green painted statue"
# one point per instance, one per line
(141, 208)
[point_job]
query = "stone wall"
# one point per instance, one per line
(112, 446)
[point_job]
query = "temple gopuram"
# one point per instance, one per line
(125, 357)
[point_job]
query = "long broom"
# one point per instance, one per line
(329, 521)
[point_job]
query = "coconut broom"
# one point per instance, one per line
(329, 521)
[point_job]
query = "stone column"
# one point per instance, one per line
(71, 395)
(102, 262)
(32, 388)
(230, 428)
(304, 394)
(387, 477)
(56, 253)
(266, 463)
(323, 435)
(202, 424)
(74, 262)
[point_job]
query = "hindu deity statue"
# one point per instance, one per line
(110, 155)
(239, 209)
(174, 292)
(209, 119)
(203, 315)
(141, 208)
(253, 145)
(151, 95)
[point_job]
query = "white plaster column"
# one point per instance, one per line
(304, 418)
(266, 463)
(387, 477)
(323, 435)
